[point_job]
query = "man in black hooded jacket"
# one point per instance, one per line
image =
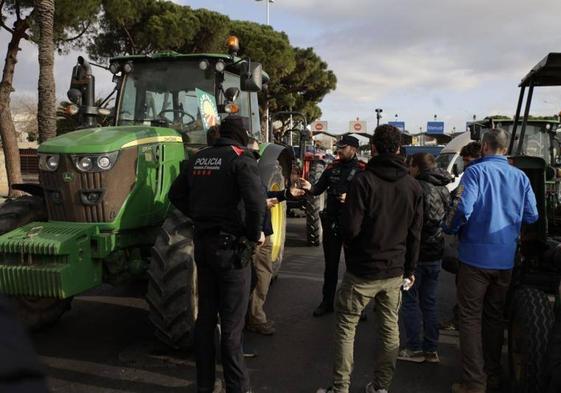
(381, 226)
(219, 188)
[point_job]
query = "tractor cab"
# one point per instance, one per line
(164, 91)
(534, 148)
(168, 90)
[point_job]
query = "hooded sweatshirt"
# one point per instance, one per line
(382, 220)
(436, 200)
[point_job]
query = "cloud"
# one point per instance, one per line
(414, 58)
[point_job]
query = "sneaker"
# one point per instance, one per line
(266, 329)
(371, 389)
(450, 325)
(431, 357)
(461, 388)
(411, 356)
(323, 309)
(248, 352)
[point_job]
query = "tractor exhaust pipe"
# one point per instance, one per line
(82, 92)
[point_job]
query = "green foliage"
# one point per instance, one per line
(211, 35)
(299, 78)
(307, 84)
(143, 27)
(73, 18)
(497, 117)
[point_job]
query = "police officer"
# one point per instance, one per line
(336, 180)
(220, 190)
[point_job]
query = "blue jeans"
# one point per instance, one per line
(418, 310)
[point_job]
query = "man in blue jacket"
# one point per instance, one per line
(493, 200)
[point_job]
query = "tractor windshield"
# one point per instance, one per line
(536, 142)
(163, 94)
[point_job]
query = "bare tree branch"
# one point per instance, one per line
(81, 33)
(18, 11)
(130, 39)
(3, 25)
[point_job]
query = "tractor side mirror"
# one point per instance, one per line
(455, 170)
(251, 77)
(75, 96)
(232, 94)
(475, 132)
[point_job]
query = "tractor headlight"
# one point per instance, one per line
(48, 162)
(203, 65)
(114, 68)
(85, 164)
(220, 66)
(104, 163)
(127, 67)
(95, 162)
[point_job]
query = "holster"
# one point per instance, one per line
(246, 251)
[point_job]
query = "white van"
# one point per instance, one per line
(450, 159)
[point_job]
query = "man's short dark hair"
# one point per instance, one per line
(386, 139)
(496, 139)
(472, 149)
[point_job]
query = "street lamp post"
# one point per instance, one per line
(378, 115)
(267, 129)
(267, 2)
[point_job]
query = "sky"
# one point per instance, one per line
(414, 59)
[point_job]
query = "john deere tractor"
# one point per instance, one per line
(101, 214)
(534, 297)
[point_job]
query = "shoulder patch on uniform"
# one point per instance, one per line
(238, 150)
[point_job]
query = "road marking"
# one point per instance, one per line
(300, 276)
(113, 372)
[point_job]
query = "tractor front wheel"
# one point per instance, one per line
(35, 312)
(172, 284)
(314, 205)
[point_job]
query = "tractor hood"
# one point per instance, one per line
(108, 139)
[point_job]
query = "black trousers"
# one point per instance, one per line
(481, 300)
(332, 245)
(223, 290)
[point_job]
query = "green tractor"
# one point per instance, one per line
(533, 303)
(101, 214)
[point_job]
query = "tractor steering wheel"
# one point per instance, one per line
(180, 111)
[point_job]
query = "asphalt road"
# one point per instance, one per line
(104, 344)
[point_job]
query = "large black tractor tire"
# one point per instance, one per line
(36, 313)
(528, 336)
(172, 283)
(278, 219)
(314, 205)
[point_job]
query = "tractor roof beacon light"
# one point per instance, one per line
(233, 44)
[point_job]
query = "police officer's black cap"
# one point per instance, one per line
(348, 140)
